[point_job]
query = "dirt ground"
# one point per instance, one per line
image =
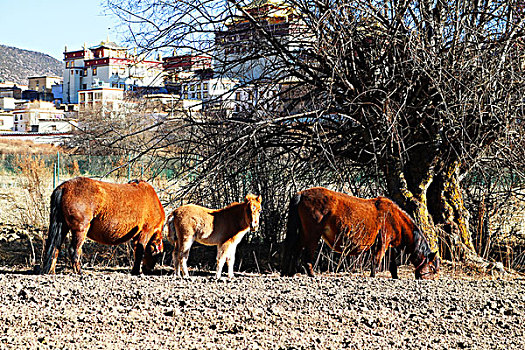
(109, 308)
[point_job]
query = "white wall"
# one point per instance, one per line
(7, 103)
(6, 122)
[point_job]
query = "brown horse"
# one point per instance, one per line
(108, 214)
(223, 227)
(351, 225)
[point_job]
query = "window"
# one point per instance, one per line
(205, 86)
(94, 70)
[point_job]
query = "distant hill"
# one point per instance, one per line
(17, 64)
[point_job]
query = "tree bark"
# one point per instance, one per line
(414, 200)
(450, 215)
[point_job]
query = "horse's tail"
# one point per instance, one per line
(57, 226)
(173, 239)
(172, 232)
(291, 242)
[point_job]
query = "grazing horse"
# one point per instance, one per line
(223, 227)
(107, 213)
(351, 225)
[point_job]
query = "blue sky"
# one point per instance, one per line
(49, 25)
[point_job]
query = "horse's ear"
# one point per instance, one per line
(259, 199)
(432, 256)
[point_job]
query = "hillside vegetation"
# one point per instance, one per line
(18, 64)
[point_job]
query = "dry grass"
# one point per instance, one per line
(34, 175)
(26, 147)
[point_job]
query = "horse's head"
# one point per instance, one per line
(429, 267)
(154, 249)
(253, 210)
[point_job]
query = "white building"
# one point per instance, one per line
(42, 117)
(10, 84)
(100, 100)
(7, 103)
(238, 47)
(110, 65)
(209, 94)
(43, 83)
(6, 121)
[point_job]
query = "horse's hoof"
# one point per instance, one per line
(147, 272)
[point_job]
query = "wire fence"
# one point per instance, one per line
(63, 165)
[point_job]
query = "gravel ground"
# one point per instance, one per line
(110, 309)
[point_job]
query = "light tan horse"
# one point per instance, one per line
(223, 227)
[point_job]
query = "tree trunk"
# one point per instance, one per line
(414, 200)
(450, 215)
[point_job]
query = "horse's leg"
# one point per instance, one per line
(142, 254)
(184, 253)
(175, 258)
(392, 267)
(230, 258)
(373, 253)
(309, 253)
(78, 237)
(378, 252)
(174, 239)
(222, 250)
(138, 248)
(62, 238)
(154, 247)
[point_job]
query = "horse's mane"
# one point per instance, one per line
(421, 246)
(229, 207)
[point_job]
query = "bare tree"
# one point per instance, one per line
(413, 94)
